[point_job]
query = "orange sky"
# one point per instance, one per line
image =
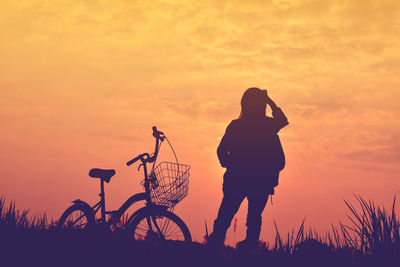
(83, 82)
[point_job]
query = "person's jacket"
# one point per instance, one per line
(252, 146)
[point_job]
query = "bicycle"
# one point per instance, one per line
(165, 186)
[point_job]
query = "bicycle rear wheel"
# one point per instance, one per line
(76, 217)
(158, 224)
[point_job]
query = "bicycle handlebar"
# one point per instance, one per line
(141, 157)
(145, 157)
(129, 163)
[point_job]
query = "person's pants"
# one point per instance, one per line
(230, 205)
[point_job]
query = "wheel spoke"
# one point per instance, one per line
(178, 232)
(158, 227)
(74, 218)
(176, 229)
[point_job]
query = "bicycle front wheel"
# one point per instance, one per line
(76, 217)
(158, 224)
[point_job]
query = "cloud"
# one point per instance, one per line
(330, 65)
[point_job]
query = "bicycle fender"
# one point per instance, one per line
(136, 213)
(145, 209)
(132, 200)
(84, 205)
(81, 202)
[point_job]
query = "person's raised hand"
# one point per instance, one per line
(267, 99)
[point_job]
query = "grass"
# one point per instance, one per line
(12, 218)
(370, 237)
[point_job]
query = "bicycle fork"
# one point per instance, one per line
(157, 228)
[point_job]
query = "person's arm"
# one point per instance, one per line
(223, 149)
(277, 113)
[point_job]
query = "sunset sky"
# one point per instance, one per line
(83, 82)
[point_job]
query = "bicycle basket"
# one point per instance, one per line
(169, 183)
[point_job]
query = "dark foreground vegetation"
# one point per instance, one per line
(371, 238)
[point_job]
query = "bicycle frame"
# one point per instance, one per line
(144, 196)
(115, 214)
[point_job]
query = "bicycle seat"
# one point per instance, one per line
(105, 175)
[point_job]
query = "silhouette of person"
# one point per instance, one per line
(252, 153)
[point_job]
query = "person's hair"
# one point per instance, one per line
(253, 103)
